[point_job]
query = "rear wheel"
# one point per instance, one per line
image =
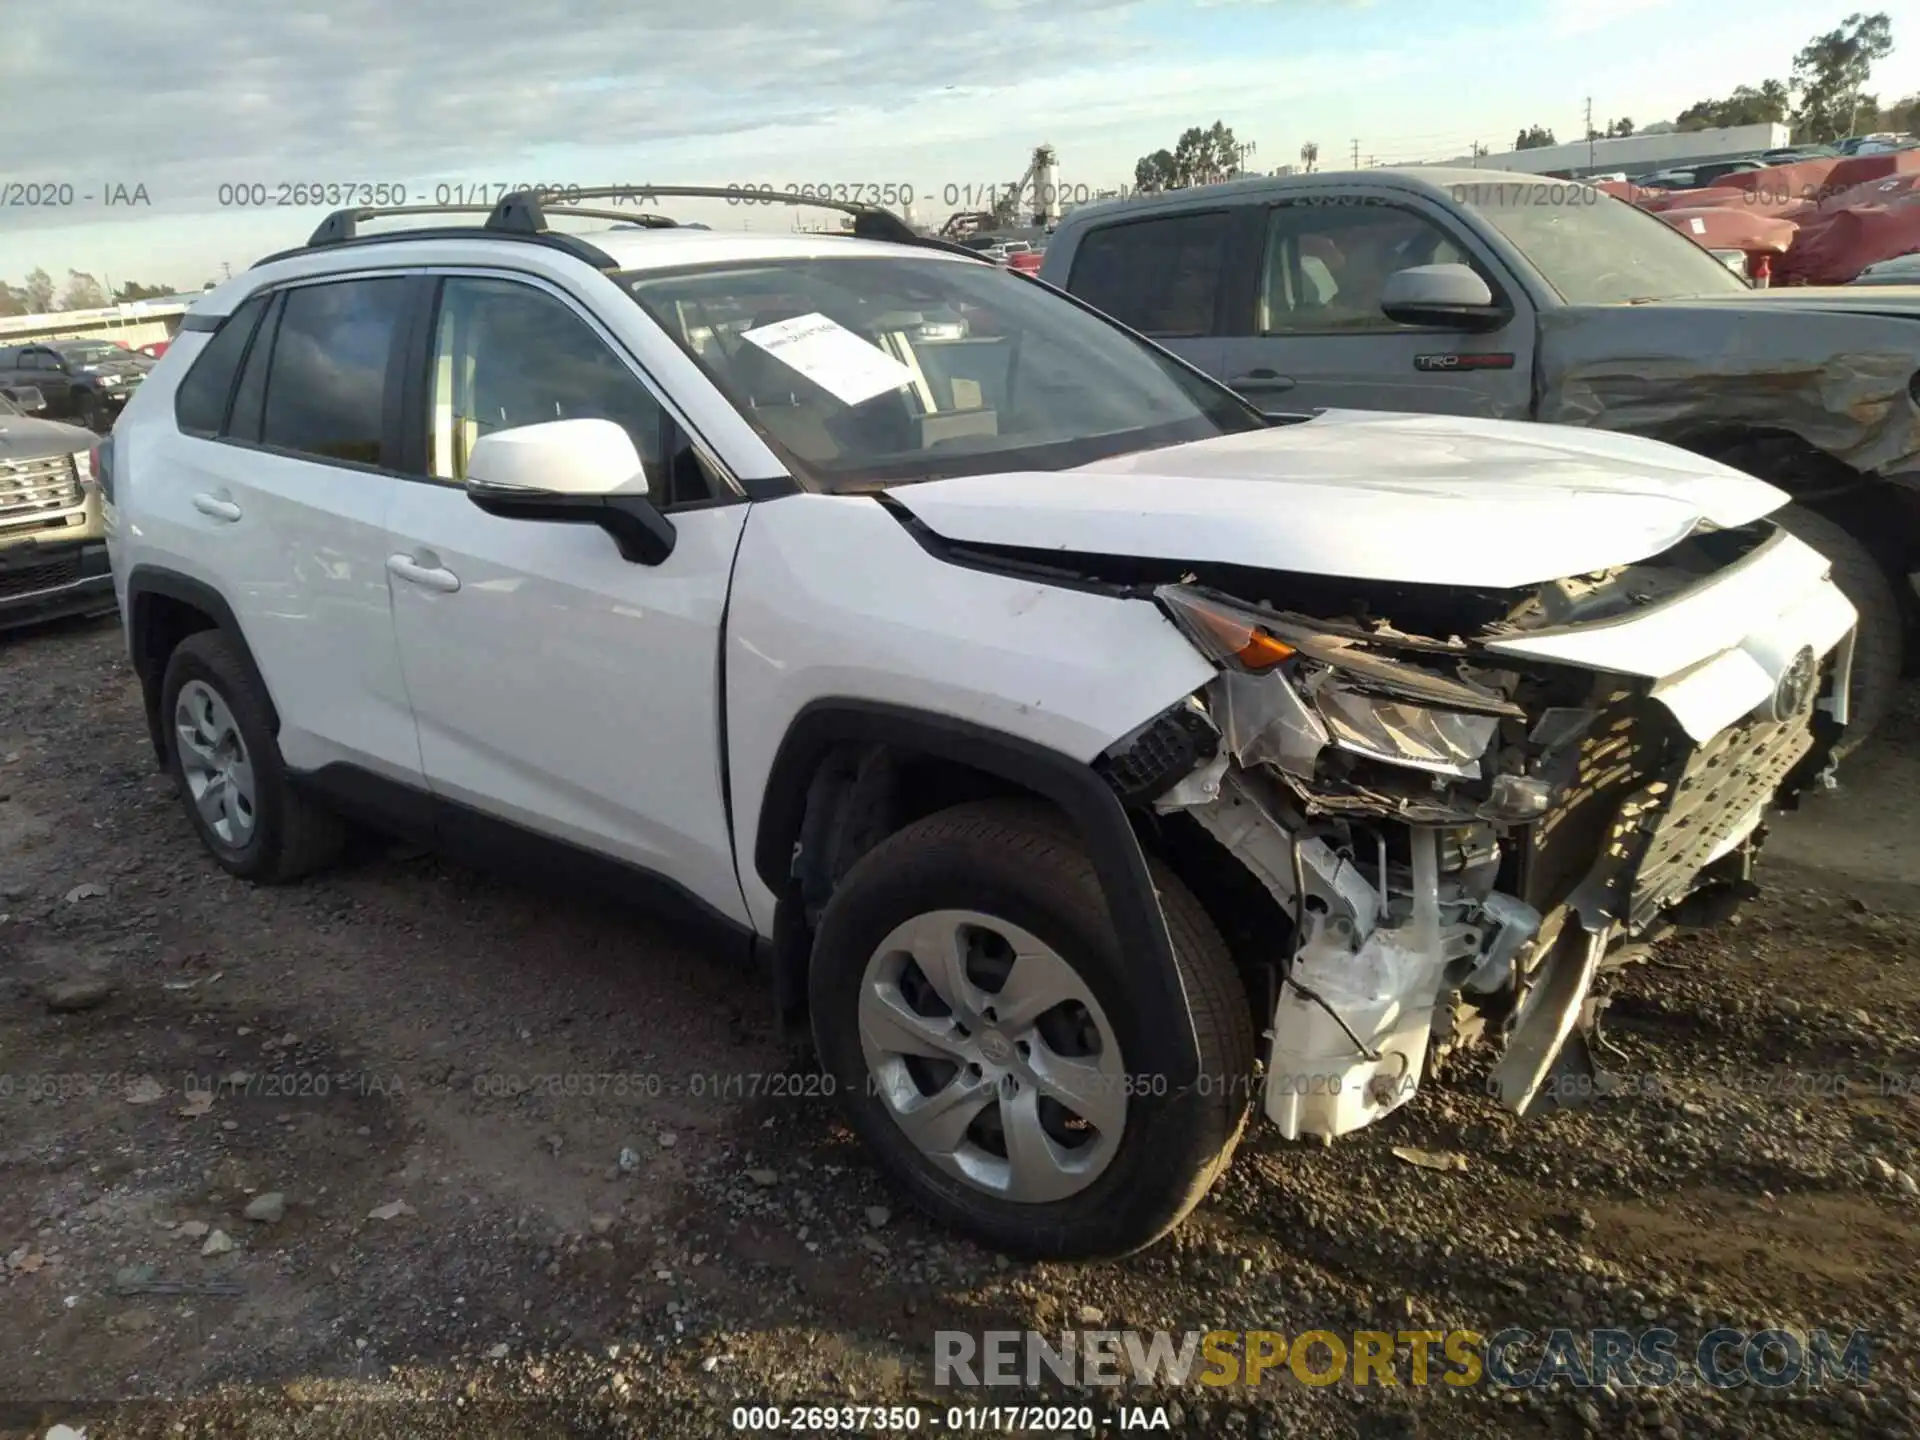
(991, 1045)
(1879, 640)
(226, 766)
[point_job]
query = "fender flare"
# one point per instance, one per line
(144, 583)
(1088, 802)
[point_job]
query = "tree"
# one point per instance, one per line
(38, 292)
(1199, 157)
(1619, 129)
(1764, 104)
(13, 300)
(1831, 72)
(1309, 155)
(83, 292)
(1534, 137)
(1154, 172)
(133, 290)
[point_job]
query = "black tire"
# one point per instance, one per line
(1022, 862)
(1879, 644)
(87, 412)
(291, 835)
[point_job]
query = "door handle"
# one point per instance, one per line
(216, 507)
(1268, 381)
(428, 577)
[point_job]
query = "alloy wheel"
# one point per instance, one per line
(992, 1055)
(214, 759)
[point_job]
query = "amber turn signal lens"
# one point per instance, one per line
(1251, 646)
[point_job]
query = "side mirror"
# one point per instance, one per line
(1451, 296)
(578, 471)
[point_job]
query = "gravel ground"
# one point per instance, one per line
(260, 1172)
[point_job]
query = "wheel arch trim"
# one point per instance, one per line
(145, 583)
(1088, 802)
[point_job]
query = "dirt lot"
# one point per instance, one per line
(641, 1249)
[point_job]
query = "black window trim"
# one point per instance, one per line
(233, 383)
(419, 373)
(265, 331)
(1225, 209)
(1462, 240)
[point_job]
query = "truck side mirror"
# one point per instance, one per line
(1452, 297)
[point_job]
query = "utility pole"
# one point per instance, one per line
(1356, 155)
(1590, 160)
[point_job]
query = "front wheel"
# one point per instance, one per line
(994, 1050)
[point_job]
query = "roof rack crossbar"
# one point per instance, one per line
(525, 211)
(345, 224)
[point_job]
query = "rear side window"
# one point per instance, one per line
(1161, 277)
(200, 404)
(326, 391)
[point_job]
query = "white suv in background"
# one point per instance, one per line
(1049, 721)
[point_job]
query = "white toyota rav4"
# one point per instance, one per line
(1090, 758)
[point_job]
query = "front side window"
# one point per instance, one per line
(1161, 277)
(875, 370)
(1327, 266)
(507, 355)
(327, 385)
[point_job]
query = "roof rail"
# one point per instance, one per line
(525, 211)
(523, 215)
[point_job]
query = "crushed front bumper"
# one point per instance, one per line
(1701, 712)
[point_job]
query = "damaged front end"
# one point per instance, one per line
(1460, 833)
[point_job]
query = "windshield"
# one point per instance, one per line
(7, 407)
(877, 370)
(1599, 251)
(97, 354)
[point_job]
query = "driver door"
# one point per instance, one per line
(558, 687)
(1318, 335)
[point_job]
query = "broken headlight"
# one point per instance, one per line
(1443, 741)
(1367, 702)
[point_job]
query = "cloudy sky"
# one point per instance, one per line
(184, 97)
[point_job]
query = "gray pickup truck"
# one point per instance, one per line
(1476, 292)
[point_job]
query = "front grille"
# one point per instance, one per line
(1720, 784)
(32, 487)
(51, 574)
(1644, 807)
(1627, 744)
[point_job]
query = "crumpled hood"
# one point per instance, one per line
(1365, 495)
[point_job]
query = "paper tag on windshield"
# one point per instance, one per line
(832, 356)
(1699, 225)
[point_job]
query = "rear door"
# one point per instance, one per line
(280, 492)
(1314, 331)
(1162, 276)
